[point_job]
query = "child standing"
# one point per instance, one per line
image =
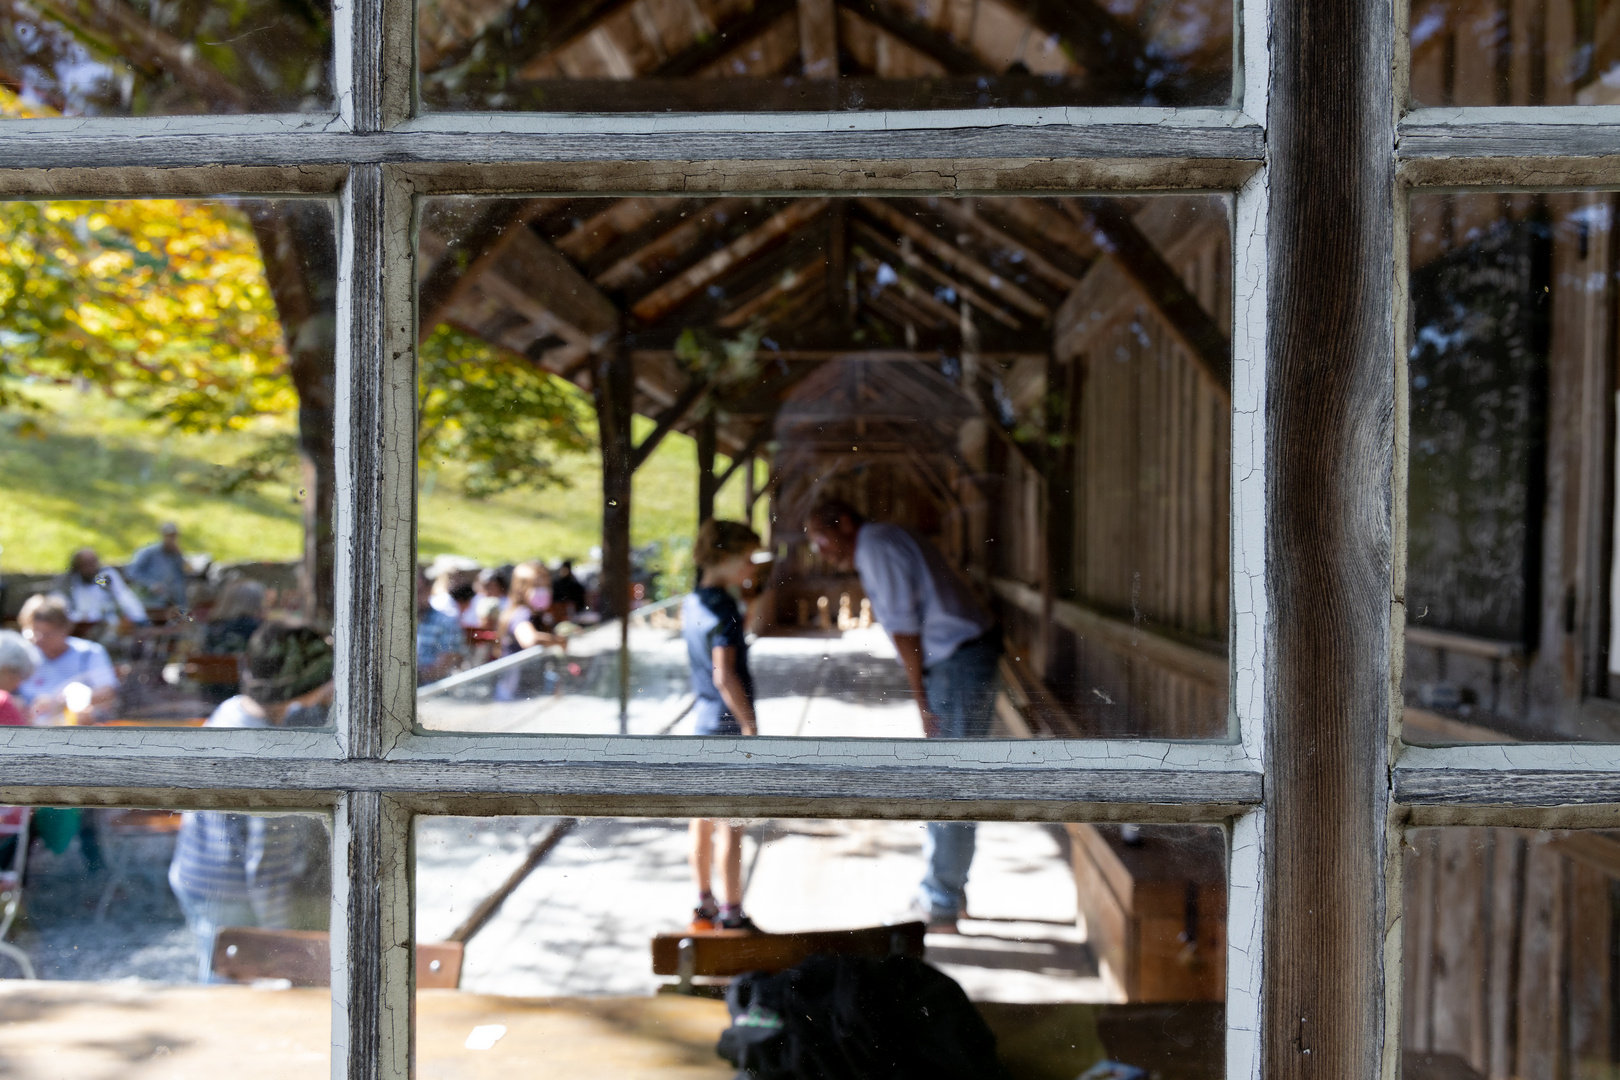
(712, 624)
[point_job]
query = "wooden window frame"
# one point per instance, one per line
(1315, 786)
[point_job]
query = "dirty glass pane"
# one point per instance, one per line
(1510, 565)
(587, 948)
(981, 444)
(1533, 52)
(148, 58)
(1512, 954)
(157, 943)
(166, 403)
(818, 55)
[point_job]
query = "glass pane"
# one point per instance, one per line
(787, 55)
(164, 944)
(1512, 954)
(1510, 564)
(587, 947)
(147, 58)
(973, 452)
(166, 399)
(1533, 52)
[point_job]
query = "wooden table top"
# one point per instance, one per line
(89, 1031)
(71, 1030)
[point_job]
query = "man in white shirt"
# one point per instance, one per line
(98, 594)
(62, 660)
(950, 648)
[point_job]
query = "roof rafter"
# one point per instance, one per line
(1182, 312)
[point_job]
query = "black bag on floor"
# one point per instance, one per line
(852, 1018)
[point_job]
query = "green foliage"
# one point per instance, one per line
(163, 304)
(157, 301)
(499, 417)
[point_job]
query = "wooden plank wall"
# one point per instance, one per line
(1460, 56)
(1560, 689)
(1151, 491)
(1510, 954)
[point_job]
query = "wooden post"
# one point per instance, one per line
(1330, 407)
(818, 38)
(749, 495)
(612, 388)
(705, 460)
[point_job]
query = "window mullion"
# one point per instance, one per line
(373, 930)
(376, 459)
(1329, 459)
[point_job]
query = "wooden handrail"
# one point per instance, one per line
(1184, 659)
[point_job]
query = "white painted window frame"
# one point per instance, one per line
(373, 772)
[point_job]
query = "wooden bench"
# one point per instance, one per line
(304, 958)
(1155, 908)
(726, 953)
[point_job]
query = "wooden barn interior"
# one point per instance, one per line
(782, 55)
(1039, 385)
(1510, 566)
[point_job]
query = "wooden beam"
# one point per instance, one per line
(955, 258)
(468, 255)
(666, 421)
(122, 31)
(667, 250)
(916, 262)
(755, 441)
(964, 213)
(707, 488)
(839, 300)
(956, 58)
(612, 389)
(818, 38)
(761, 17)
(670, 295)
(1133, 638)
(1116, 57)
(525, 33)
(1195, 328)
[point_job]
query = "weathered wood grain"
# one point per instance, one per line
(151, 146)
(1330, 439)
(373, 996)
(693, 782)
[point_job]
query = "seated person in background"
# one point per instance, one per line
(16, 664)
(97, 594)
(712, 624)
(523, 622)
(566, 588)
(286, 680)
(252, 869)
(160, 569)
(492, 588)
(238, 614)
(456, 601)
(63, 660)
(439, 640)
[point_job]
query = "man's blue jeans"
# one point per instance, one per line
(962, 693)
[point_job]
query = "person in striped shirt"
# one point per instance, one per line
(232, 869)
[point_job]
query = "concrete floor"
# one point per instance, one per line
(840, 685)
(581, 923)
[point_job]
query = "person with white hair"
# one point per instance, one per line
(62, 661)
(16, 664)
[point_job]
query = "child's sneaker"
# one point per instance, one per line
(706, 916)
(737, 921)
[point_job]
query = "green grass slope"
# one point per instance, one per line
(91, 472)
